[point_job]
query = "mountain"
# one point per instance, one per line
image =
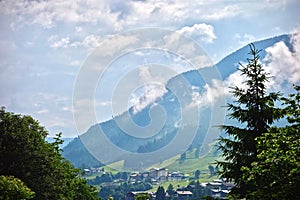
(66, 141)
(176, 125)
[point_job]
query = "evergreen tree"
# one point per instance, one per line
(197, 174)
(198, 190)
(211, 170)
(182, 158)
(160, 193)
(170, 190)
(276, 173)
(254, 110)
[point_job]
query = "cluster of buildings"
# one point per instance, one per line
(157, 175)
(93, 170)
(217, 189)
(179, 194)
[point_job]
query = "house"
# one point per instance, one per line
(176, 176)
(133, 195)
(183, 194)
(163, 178)
(93, 170)
(228, 185)
(214, 185)
(218, 188)
(135, 177)
(145, 175)
(156, 173)
(87, 171)
(219, 194)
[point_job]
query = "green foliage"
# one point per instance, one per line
(25, 154)
(276, 172)
(198, 190)
(182, 157)
(197, 174)
(142, 197)
(160, 193)
(211, 170)
(254, 110)
(170, 190)
(119, 191)
(13, 188)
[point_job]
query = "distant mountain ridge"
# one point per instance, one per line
(80, 156)
(66, 141)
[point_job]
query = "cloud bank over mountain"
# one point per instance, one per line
(283, 62)
(43, 44)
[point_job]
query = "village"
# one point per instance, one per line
(217, 188)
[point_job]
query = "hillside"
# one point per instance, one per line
(78, 154)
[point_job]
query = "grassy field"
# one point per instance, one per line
(203, 178)
(188, 167)
(191, 164)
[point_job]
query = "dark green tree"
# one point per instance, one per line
(160, 193)
(276, 172)
(198, 190)
(124, 176)
(170, 190)
(26, 155)
(182, 158)
(197, 174)
(14, 188)
(211, 170)
(142, 197)
(254, 110)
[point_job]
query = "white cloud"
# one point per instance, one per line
(78, 29)
(234, 79)
(83, 24)
(178, 11)
(283, 63)
(89, 42)
(75, 63)
(212, 93)
(244, 39)
(218, 13)
(62, 43)
(217, 90)
(115, 15)
(48, 13)
(203, 32)
(186, 48)
(150, 91)
(116, 44)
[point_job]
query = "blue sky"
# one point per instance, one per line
(43, 44)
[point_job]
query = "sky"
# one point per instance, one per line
(45, 44)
